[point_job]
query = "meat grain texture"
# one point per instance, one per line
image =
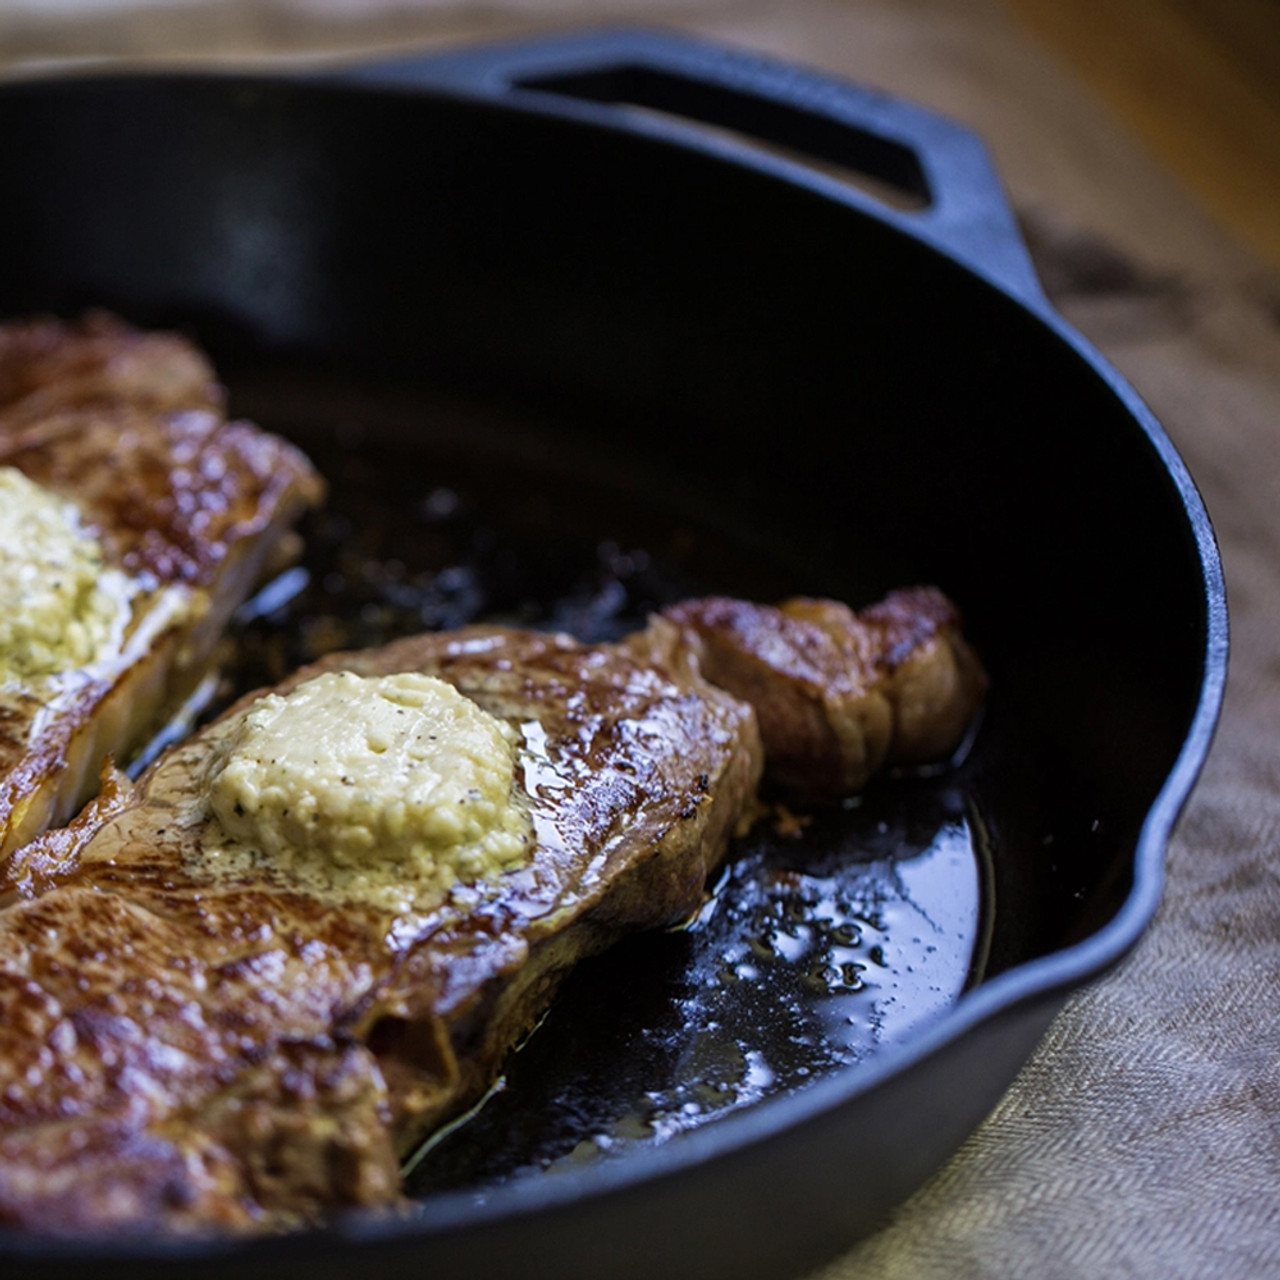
(180, 1052)
(131, 428)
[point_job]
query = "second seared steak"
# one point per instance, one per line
(182, 1049)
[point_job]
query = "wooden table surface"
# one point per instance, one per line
(1198, 82)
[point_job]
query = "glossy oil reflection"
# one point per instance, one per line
(820, 946)
(831, 935)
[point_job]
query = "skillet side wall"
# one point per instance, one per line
(834, 386)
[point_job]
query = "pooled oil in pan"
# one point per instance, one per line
(816, 949)
(830, 934)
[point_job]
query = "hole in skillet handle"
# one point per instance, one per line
(923, 174)
(886, 170)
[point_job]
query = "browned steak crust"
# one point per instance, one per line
(130, 427)
(838, 694)
(251, 1054)
(182, 1051)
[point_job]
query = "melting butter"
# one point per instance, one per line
(386, 788)
(60, 607)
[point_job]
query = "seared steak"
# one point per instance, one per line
(183, 1050)
(840, 695)
(189, 510)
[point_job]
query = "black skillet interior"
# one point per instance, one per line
(562, 364)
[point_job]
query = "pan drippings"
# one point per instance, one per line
(815, 952)
(831, 935)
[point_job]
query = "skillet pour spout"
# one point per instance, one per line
(601, 322)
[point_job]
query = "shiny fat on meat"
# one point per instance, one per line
(130, 427)
(181, 1052)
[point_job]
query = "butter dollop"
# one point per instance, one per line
(383, 787)
(60, 607)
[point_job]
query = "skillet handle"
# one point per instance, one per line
(940, 182)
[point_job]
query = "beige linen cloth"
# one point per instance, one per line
(1143, 1138)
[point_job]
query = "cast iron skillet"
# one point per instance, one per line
(655, 356)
